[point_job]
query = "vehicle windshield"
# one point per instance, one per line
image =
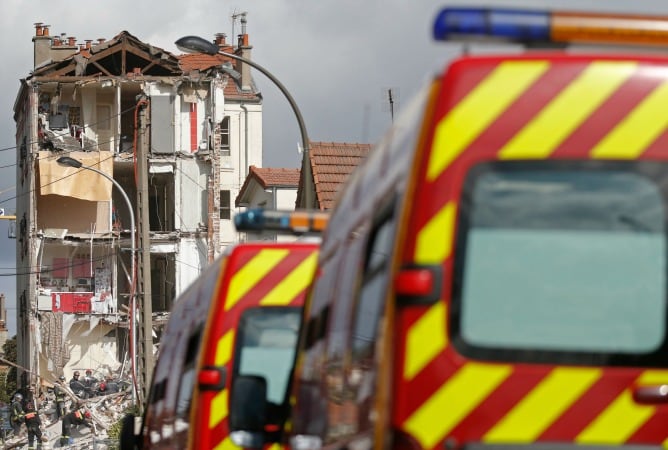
(563, 257)
(266, 346)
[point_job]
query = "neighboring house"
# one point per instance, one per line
(331, 164)
(269, 188)
(176, 133)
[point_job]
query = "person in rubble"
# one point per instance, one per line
(17, 413)
(80, 416)
(33, 423)
(61, 397)
(90, 383)
(77, 386)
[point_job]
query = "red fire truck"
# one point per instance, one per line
(241, 317)
(496, 273)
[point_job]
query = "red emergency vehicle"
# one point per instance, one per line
(240, 317)
(495, 274)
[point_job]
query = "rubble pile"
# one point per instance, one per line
(106, 410)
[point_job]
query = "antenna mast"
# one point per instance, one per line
(235, 16)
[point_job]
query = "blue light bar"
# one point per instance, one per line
(514, 24)
(283, 221)
(257, 219)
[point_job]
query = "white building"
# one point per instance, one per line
(177, 134)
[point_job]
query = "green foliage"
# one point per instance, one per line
(114, 431)
(8, 380)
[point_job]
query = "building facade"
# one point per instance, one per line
(176, 135)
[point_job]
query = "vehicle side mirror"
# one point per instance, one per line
(128, 439)
(248, 411)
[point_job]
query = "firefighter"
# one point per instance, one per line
(33, 424)
(17, 414)
(61, 397)
(77, 386)
(80, 416)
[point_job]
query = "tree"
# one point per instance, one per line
(8, 381)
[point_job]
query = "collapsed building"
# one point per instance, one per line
(166, 138)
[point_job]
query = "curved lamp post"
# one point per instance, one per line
(196, 44)
(71, 162)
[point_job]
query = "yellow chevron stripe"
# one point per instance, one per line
(543, 405)
(473, 114)
(219, 405)
(623, 417)
(653, 377)
(227, 444)
(294, 283)
(638, 130)
(619, 421)
(219, 409)
(224, 348)
(249, 275)
(426, 339)
(454, 401)
(568, 110)
(434, 241)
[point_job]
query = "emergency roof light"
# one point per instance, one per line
(299, 221)
(541, 27)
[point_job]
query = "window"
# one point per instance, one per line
(224, 134)
(266, 347)
(225, 205)
(563, 262)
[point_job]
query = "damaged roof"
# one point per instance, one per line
(118, 56)
(127, 56)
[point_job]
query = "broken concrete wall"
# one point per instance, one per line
(70, 342)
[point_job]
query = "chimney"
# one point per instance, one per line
(244, 50)
(3, 311)
(41, 44)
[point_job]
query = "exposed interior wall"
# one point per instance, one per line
(77, 216)
(163, 281)
(161, 201)
(69, 344)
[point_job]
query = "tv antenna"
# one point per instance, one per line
(235, 16)
(391, 95)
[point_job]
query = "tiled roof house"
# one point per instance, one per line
(272, 188)
(331, 164)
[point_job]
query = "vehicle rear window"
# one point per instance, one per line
(563, 261)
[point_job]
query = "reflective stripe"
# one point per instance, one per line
(252, 273)
(454, 400)
(617, 422)
(219, 408)
(293, 284)
(475, 112)
(543, 405)
(224, 348)
(426, 339)
(569, 110)
(638, 130)
(434, 240)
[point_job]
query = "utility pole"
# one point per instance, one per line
(144, 329)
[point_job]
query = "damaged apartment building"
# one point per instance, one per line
(180, 125)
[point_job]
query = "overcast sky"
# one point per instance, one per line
(338, 59)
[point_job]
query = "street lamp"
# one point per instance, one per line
(71, 162)
(196, 44)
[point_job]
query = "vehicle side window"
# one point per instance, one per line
(367, 317)
(187, 380)
(350, 259)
